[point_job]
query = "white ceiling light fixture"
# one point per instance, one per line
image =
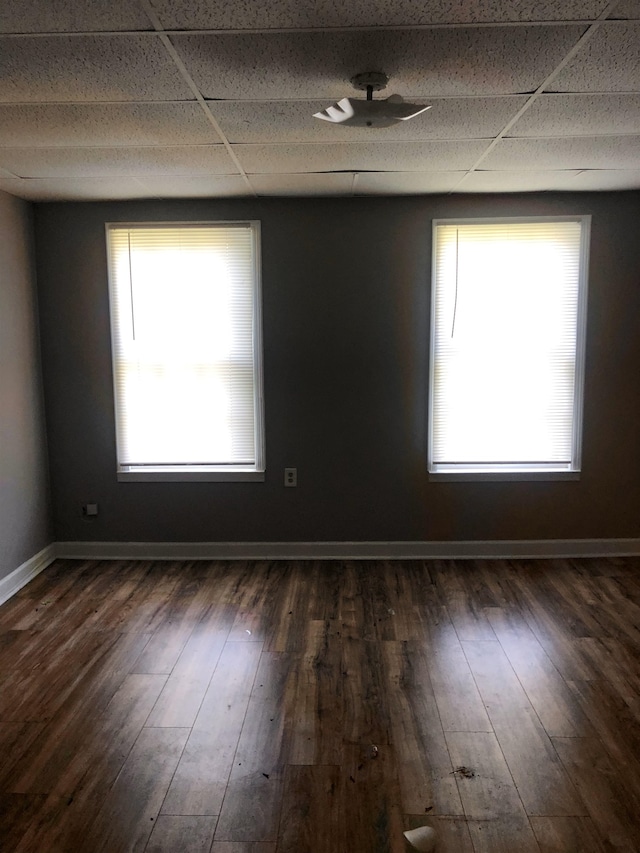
(354, 112)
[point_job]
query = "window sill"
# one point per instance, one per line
(181, 474)
(501, 476)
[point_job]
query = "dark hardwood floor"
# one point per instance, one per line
(322, 707)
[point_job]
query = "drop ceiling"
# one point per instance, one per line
(211, 98)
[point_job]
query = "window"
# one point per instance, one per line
(185, 327)
(507, 348)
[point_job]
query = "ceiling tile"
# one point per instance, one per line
(303, 185)
(75, 189)
(517, 182)
(102, 162)
(430, 156)
(606, 179)
(590, 180)
(205, 186)
(626, 9)
(406, 183)
(74, 125)
(249, 14)
(595, 152)
(73, 16)
(88, 189)
(447, 62)
(580, 115)
(110, 116)
(86, 68)
(9, 184)
(454, 118)
(609, 62)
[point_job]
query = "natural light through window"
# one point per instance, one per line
(507, 346)
(186, 350)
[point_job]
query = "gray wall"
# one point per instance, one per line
(346, 319)
(24, 510)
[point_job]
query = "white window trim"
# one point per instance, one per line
(181, 474)
(202, 473)
(489, 472)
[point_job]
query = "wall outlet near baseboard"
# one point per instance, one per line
(90, 510)
(291, 476)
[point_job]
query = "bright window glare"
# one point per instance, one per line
(505, 343)
(198, 311)
(183, 307)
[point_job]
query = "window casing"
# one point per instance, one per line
(507, 348)
(186, 344)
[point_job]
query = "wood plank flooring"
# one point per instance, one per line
(322, 707)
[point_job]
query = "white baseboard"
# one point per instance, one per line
(14, 582)
(498, 549)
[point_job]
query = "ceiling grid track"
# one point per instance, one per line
(188, 79)
(584, 38)
(236, 31)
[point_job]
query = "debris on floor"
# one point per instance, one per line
(465, 772)
(423, 838)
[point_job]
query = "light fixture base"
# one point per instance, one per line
(370, 80)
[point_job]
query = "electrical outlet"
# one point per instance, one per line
(291, 476)
(90, 510)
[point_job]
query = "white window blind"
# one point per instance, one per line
(507, 345)
(186, 355)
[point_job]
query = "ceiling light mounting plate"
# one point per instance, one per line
(374, 80)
